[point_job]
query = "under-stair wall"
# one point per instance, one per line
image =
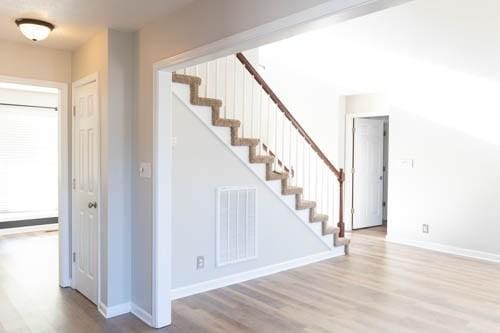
(202, 163)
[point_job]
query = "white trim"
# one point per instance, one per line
(113, 311)
(180, 91)
(64, 187)
(321, 15)
(162, 200)
(141, 314)
(253, 274)
(458, 251)
(83, 81)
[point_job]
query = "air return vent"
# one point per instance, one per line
(236, 225)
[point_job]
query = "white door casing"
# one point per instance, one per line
(368, 160)
(86, 189)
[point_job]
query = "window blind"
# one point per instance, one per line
(28, 159)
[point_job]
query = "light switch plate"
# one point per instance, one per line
(200, 262)
(406, 163)
(145, 170)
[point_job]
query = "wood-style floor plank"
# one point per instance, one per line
(380, 287)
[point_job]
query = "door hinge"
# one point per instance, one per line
(383, 204)
(73, 183)
(74, 256)
(74, 111)
(384, 169)
(385, 133)
(354, 129)
(352, 211)
(352, 170)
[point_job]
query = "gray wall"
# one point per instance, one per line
(111, 54)
(201, 164)
(121, 80)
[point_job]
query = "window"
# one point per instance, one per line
(28, 161)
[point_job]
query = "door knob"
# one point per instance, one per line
(92, 204)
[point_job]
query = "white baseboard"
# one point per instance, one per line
(253, 274)
(114, 311)
(141, 314)
(446, 249)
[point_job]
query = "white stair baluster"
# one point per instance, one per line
(225, 86)
(243, 102)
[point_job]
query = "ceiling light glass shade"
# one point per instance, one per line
(35, 30)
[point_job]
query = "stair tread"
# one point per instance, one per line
(319, 218)
(204, 101)
(246, 142)
(277, 176)
(292, 190)
(305, 204)
(262, 159)
(224, 122)
(186, 79)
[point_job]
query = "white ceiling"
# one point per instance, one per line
(77, 20)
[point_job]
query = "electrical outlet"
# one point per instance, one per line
(425, 228)
(200, 262)
(145, 170)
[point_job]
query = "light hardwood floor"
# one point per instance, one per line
(380, 287)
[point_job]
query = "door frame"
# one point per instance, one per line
(64, 171)
(313, 18)
(348, 158)
(83, 81)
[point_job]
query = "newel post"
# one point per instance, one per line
(341, 225)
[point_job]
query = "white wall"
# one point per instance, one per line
(201, 164)
(309, 95)
(454, 185)
(443, 109)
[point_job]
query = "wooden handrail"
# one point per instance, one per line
(260, 80)
(339, 173)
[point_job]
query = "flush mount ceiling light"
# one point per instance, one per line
(34, 29)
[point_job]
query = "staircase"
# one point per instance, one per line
(274, 138)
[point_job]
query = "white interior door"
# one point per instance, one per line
(368, 182)
(85, 189)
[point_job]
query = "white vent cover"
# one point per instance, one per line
(236, 225)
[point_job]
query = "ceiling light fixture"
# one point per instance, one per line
(34, 29)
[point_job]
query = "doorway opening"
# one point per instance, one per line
(28, 158)
(34, 195)
(367, 159)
